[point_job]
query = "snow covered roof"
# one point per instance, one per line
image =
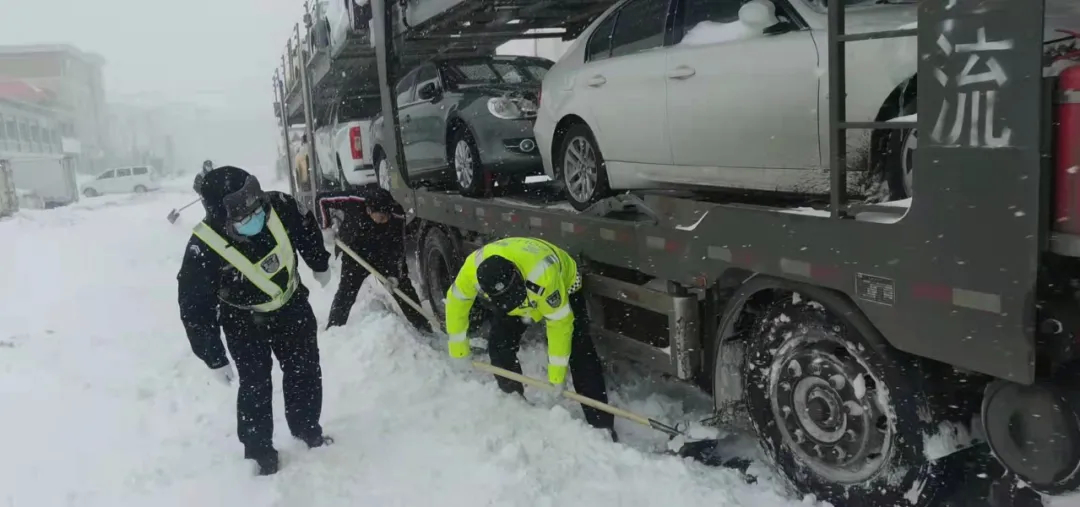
(91, 58)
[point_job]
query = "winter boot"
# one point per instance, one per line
(267, 459)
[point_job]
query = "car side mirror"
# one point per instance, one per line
(428, 92)
(758, 14)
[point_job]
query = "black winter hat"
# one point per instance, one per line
(226, 191)
(501, 283)
(380, 201)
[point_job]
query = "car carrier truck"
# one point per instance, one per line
(866, 345)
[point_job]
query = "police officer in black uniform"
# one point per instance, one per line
(239, 275)
(372, 224)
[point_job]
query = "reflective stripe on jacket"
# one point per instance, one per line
(550, 275)
(260, 274)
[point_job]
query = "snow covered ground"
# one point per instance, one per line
(104, 404)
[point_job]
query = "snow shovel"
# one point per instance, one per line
(436, 327)
(175, 213)
(386, 283)
(704, 451)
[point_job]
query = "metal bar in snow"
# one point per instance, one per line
(837, 111)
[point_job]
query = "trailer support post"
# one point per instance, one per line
(387, 60)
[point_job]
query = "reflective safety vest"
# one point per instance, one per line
(550, 274)
(260, 274)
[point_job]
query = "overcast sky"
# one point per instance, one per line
(220, 53)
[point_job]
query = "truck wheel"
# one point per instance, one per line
(465, 160)
(582, 168)
(839, 418)
(439, 263)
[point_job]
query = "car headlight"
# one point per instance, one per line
(511, 108)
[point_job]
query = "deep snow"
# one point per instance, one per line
(104, 404)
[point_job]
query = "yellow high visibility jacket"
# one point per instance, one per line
(259, 273)
(550, 274)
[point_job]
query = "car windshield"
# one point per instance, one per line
(479, 72)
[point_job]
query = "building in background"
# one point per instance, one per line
(74, 80)
(40, 158)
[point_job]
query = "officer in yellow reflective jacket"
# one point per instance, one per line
(239, 275)
(522, 280)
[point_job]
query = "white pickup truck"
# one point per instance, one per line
(343, 144)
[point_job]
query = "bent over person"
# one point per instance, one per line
(239, 275)
(372, 224)
(520, 279)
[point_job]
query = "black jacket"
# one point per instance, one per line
(205, 279)
(381, 245)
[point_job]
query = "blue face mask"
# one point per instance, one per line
(251, 225)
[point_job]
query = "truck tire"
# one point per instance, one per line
(896, 158)
(839, 418)
(439, 262)
(585, 181)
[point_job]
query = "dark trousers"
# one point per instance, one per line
(353, 276)
(290, 334)
(585, 369)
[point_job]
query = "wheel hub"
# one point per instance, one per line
(463, 163)
(579, 166)
(826, 405)
(819, 409)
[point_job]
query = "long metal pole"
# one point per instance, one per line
(283, 110)
(386, 60)
(837, 111)
(309, 121)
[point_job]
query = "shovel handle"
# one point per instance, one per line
(615, 411)
(495, 370)
(360, 260)
(186, 206)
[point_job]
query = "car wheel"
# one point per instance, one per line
(897, 158)
(582, 167)
(468, 170)
(382, 171)
(840, 418)
(89, 192)
(140, 189)
(341, 171)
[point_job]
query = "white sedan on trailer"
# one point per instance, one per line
(724, 93)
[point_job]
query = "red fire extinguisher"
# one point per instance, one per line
(1067, 152)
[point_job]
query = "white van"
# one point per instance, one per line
(123, 180)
